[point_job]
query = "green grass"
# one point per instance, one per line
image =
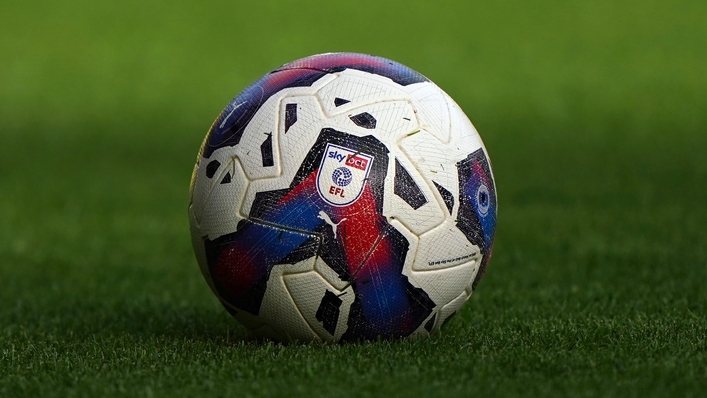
(595, 119)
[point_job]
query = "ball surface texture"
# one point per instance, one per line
(342, 197)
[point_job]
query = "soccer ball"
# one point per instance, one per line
(342, 197)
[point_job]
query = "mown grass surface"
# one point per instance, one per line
(594, 116)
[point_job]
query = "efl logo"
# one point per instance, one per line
(342, 175)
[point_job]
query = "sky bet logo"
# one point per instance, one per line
(352, 160)
(341, 165)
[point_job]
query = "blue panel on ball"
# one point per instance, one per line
(477, 205)
(337, 62)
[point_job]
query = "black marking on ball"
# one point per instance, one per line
(328, 311)
(446, 196)
(365, 120)
(483, 198)
(306, 250)
(266, 152)
(212, 167)
(404, 187)
(226, 179)
(290, 115)
(340, 101)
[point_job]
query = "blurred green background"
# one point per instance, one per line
(594, 114)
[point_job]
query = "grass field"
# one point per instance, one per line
(595, 116)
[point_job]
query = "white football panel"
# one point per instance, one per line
(299, 138)
(329, 274)
(443, 247)
(268, 120)
(431, 108)
(309, 90)
(263, 123)
(394, 119)
(278, 308)
(293, 146)
(450, 309)
(436, 162)
(417, 220)
(221, 206)
(443, 285)
(468, 139)
(359, 88)
(465, 138)
(307, 290)
(469, 287)
(202, 185)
